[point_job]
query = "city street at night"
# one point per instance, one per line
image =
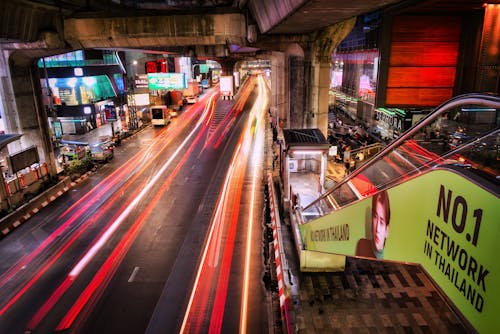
(138, 238)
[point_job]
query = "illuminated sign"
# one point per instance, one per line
(203, 68)
(78, 71)
(141, 81)
(166, 81)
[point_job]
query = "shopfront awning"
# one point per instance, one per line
(6, 139)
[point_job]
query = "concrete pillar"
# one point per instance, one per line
(296, 86)
(227, 66)
(8, 108)
(488, 79)
(279, 101)
(31, 113)
(317, 117)
(319, 55)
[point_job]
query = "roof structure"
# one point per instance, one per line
(305, 139)
(6, 139)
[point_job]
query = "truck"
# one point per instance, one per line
(174, 101)
(191, 92)
(226, 86)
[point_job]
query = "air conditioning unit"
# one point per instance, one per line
(293, 165)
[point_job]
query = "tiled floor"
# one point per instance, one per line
(372, 297)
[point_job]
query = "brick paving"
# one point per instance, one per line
(372, 297)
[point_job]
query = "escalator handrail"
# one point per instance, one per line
(472, 98)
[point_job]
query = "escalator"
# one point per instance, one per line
(430, 198)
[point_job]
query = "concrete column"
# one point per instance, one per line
(8, 106)
(296, 90)
(31, 113)
(319, 55)
(279, 102)
(319, 97)
(488, 79)
(227, 66)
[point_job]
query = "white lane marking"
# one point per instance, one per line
(132, 276)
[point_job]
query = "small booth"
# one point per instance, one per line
(304, 166)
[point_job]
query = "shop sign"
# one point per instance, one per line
(141, 81)
(390, 118)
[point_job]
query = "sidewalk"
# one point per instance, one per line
(27, 210)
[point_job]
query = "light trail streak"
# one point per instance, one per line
(56, 295)
(49, 263)
(144, 156)
(257, 156)
(230, 118)
(69, 318)
(84, 203)
(231, 193)
(109, 180)
(107, 270)
(210, 239)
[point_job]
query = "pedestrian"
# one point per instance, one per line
(352, 165)
(360, 156)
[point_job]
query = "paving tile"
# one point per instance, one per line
(374, 297)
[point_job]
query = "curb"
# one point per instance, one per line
(28, 210)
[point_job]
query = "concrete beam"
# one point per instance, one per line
(269, 14)
(155, 31)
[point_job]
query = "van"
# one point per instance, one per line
(160, 115)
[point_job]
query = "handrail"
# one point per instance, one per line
(472, 98)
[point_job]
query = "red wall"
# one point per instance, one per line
(423, 60)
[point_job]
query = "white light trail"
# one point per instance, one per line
(107, 234)
(258, 147)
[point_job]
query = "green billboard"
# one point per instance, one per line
(449, 226)
(166, 81)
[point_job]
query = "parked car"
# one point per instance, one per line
(102, 152)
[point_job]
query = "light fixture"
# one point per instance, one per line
(78, 71)
(307, 152)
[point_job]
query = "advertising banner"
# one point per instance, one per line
(166, 81)
(449, 226)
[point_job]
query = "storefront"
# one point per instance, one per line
(390, 122)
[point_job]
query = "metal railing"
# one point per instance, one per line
(466, 123)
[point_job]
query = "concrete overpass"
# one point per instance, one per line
(298, 36)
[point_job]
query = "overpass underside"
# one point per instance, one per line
(156, 32)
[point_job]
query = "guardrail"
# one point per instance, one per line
(280, 260)
(22, 184)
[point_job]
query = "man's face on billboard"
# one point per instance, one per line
(379, 226)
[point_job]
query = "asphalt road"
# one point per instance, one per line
(121, 252)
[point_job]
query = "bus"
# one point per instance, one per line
(160, 115)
